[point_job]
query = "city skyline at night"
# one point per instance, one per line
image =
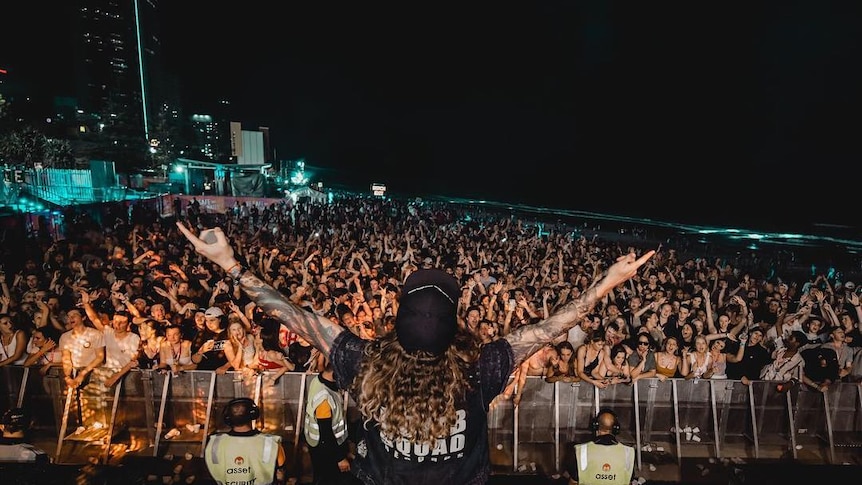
(686, 112)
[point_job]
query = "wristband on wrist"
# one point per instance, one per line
(235, 271)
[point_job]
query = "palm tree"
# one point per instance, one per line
(22, 147)
(58, 154)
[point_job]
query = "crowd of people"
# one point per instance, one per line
(133, 294)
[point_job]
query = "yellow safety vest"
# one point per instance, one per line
(320, 393)
(242, 460)
(604, 464)
(22, 453)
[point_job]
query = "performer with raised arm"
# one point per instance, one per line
(424, 389)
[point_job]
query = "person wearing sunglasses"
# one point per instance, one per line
(642, 358)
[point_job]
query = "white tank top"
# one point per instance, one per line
(7, 351)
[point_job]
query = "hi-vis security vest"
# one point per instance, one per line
(604, 464)
(22, 453)
(242, 460)
(320, 393)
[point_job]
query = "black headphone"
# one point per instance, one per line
(252, 412)
(16, 419)
(615, 429)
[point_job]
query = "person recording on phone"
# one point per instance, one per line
(603, 460)
(423, 390)
(208, 346)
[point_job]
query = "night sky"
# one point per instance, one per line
(719, 112)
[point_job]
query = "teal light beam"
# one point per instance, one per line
(138, 36)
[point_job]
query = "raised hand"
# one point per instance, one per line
(211, 244)
(625, 268)
(48, 345)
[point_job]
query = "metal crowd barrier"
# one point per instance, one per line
(156, 414)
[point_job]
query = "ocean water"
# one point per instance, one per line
(798, 246)
(775, 215)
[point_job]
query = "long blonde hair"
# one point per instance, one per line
(414, 395)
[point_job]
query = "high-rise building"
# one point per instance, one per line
(210, 135)
(248, 146)
(210, 142)
(119, 79)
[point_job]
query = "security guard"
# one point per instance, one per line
(325, 430)
(13, 445)
(604, 460)
(244, 455)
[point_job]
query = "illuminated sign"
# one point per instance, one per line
(378, 189)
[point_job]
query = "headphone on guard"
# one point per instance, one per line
(16, 419)
(250, 411)
(615, 429)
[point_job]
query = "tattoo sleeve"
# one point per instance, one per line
(319, 331)
(528, 339)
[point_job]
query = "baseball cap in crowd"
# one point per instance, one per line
(426, 318)
(850, 286)
(428, 262)
(213, 311)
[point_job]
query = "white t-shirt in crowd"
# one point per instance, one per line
(576, 336)
(118, 352)
(82, 345)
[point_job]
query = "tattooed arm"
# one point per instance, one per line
(319, 331)
(528, 339)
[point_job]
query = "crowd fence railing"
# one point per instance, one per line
(153, 413)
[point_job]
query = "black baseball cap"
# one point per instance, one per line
(426, 319)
